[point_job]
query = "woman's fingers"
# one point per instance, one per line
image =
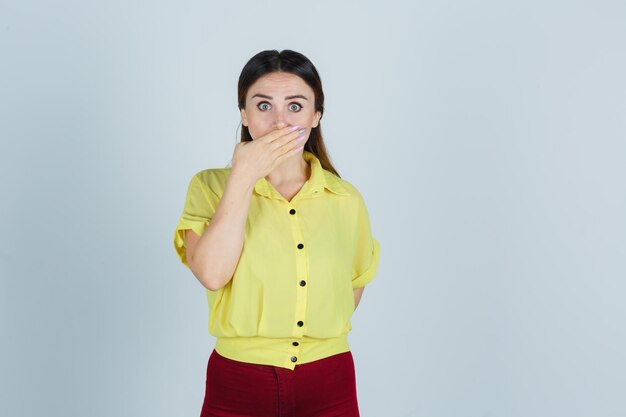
(261, 155)
(298, 136)
(288, 152)
(289, 147)
(275, 134)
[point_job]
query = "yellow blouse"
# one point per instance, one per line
(291, 298)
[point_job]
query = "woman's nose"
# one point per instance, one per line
(279, 124)
(282, 119)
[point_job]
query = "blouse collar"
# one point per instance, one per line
(320, 178)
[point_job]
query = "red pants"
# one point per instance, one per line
(323, 388)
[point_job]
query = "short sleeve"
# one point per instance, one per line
(198, 211)
(367, 254)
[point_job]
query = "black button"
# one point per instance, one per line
(300, 323)
(295, 343)
(294, 359)
(302, 283)
(292, 211)
(300, 245)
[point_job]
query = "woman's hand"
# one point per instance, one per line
(257, 158)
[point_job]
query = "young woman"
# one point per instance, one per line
(284, 248)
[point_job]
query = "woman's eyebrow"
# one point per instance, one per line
(262, 96)
(286, 98)
(296, 96)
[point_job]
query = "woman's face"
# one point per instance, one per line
(277, 100)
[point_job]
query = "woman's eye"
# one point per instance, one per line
(264, 106)
(295, 107)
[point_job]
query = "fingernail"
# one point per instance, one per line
(301, 131)
(292, 128)
(300, 138)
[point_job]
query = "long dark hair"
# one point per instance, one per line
(269, 61)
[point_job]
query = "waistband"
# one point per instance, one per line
(282, 352)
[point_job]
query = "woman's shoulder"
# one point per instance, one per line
(213, 178)
(342, 186)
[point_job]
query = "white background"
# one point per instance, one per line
(488, 139)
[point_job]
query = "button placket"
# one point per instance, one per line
(301, 277)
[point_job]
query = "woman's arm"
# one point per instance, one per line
(358, 292)
(213, 256)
